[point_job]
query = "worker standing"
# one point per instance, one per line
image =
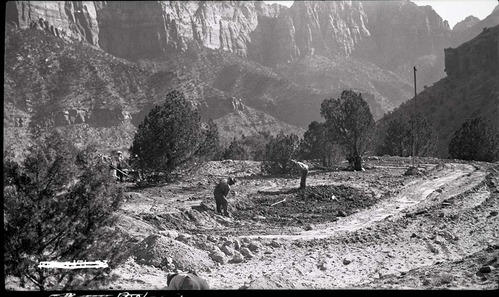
(120, 166)
(304, 172)
(221, 191)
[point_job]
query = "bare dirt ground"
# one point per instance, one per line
(376, 229)
(371, 229)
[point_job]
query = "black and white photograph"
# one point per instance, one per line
(151, 146)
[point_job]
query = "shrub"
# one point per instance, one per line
(248, 147)
(236, 151)
(279, 152)
(399, 137)
(477, 139)
(55, 204)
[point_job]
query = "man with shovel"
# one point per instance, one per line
(221, 191)
(304, 172)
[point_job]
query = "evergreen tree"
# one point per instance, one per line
(55, 203)
(316, 145)
(170, 136)
(477, 139)
(425, 141)
(398, 140)
(350, 122)
(399, 137)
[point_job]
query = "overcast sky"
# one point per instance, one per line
(451, 10)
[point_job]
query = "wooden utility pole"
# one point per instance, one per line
(414, 120)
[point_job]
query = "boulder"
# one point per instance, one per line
(183, 237)
(238, 258)
(486, 269)
(237, 244)
(169, 233)
(246, 252)
(228, 250)
(275, 244)
(254, 246)
(227, 242)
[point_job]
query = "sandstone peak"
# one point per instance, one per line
(468, 22)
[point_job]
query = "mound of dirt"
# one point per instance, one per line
(299, 207)
(169, 254)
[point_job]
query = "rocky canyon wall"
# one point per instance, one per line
(387, 31)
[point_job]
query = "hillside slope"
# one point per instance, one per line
(94, 96)
(471, 89)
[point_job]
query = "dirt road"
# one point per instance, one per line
(415, 228)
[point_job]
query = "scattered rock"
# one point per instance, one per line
(218, 257)
(322, 266)
(493, 213)
(491, 261)
(412, 171)
(270, 282)
(346, 261)
(246, 252)
(341, 213)
(439, 240)
(308, 227)
(238, 258)
(227, 242)
(446, 278)
(254, 246)
(169, 233)
(275, 244)
(486, 269)
(441, 215)
(237, 244)
(227, 250)
(258, 218)
(413, 235)
(212, 238)
(183, 237)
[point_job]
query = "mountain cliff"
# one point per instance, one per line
(268, 34)
(467, 23)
